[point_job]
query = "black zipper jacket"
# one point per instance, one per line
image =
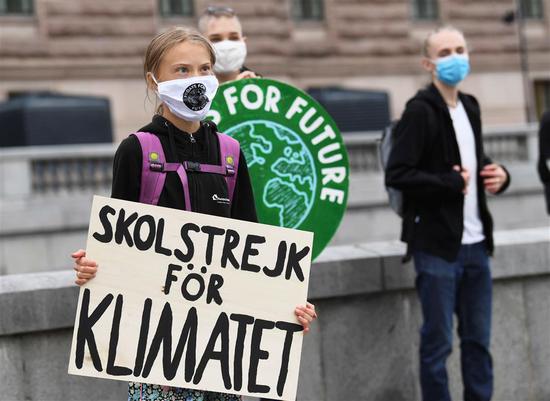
(206, 190)
(421, 164)
(544, 156)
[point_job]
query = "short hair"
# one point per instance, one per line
(215, 12)
(426, 44)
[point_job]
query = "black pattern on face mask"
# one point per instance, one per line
(194, 97)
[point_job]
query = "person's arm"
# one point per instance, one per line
(496, 179)
(243, 206)
(411, 137)
(543, 165)
(126, 186)
(127, 166)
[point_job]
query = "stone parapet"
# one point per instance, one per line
(355, 36)
(364, 345)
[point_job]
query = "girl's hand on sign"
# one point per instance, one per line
(306, 315)
(85, 268)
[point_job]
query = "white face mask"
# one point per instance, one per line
(230, 55)
(188, 98)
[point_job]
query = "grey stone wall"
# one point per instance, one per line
(38, 232)
(363, 347)
(101, 38)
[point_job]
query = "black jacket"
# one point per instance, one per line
(178, 147)
(544, 155)
(421, 165)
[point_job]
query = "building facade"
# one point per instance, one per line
(96, 47)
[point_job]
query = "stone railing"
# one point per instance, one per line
(44, 170)
(505, 144)
(38, 171)
(364, 346)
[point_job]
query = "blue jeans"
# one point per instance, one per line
(463, 287)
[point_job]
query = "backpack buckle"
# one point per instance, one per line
(156, 166)
(230, 169)
(192, 166)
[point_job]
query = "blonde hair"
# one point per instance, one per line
(426, 44)
(164, 41)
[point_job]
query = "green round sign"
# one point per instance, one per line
(297, 160)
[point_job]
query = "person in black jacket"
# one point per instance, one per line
(544, 156)
(179, 68)
(438, 161)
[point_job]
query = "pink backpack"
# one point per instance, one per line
(154, 168)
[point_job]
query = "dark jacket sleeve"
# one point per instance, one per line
(544, 148)
(486, 160)
(127, 166)
(411, 138)
(243, 207)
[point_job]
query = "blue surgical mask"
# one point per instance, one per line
(452, 69)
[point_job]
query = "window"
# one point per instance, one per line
(308, 10)
(532, 9)
(177, 8)
(542, 96)
(16, 7)
(425, 10)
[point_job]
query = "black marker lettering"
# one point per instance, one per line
(184, 286)
(244, 321)
(163, 336)
(186, 257)
(231, 241)
(170, 277)
(279, 264)
(256, 353)
(112, 369)
(188, 336)
(141, 244)
(85, 333)
(290, 329)
(221, 329)
(143, 334)
(294, 262)
(107, 236)
(213, 292)
(251, 239)
(158, 240)
(212, 232)
(123, 228)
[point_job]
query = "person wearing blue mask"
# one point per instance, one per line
(437, 161)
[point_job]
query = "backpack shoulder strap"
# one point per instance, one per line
(230, 151)
(385, 144)
(152, 170)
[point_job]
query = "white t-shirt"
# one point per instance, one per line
(473, 228)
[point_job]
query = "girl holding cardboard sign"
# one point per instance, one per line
(201, 170)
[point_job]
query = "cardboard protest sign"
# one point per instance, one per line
(294, 151)
(191, 300)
